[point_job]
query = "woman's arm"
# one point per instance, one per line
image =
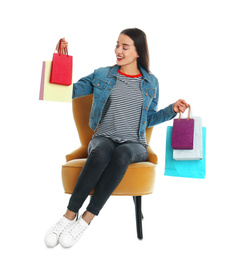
(155, 117)
(82, 87)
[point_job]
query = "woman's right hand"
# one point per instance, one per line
(63, 47)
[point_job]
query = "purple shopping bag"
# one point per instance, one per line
(183, 132)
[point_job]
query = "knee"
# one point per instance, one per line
(122, 156)
(100, 154)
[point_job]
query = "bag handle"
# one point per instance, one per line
(65, 49)
(189, 113)
(59, 47)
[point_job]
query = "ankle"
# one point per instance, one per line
(70, 215)
(88, 217)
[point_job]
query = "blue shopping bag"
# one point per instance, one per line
(189, 169)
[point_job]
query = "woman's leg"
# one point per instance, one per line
(122, 156)
(67, 231)
(100, 152)
(87, 216)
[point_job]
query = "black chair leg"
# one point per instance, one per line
(139, 216)
(134, 197)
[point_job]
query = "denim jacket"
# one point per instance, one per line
(102, 81)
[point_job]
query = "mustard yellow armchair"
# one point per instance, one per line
(139, 178)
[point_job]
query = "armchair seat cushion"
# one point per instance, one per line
(138, 180)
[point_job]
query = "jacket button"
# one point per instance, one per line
(98, 84)
(102, 101)
(144, 122)
(98, 114)
(143, 82)
(142, 135)
(146, 94)
(146, 108)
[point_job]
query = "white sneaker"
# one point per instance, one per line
(73, 233)
(53, 234)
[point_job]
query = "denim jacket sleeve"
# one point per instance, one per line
(83, 87)
(155, 117)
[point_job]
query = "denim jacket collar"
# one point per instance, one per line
(114, 70)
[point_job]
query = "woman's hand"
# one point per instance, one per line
(63, 47)
(180, 106)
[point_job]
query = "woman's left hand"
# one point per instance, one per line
(180, 106)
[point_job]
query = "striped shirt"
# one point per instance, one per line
(121, 114)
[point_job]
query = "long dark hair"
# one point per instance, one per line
(141, 45)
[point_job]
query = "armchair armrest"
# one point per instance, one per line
(152, 157)
(79, 153)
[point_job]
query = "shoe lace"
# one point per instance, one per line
(77, 230)
(59, 227)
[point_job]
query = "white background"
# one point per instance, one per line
(189, 51)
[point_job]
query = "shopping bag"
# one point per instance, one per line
(197, 152)
(183, 132)
(61, 69)
(189, 168)
(53, 92)
(41, 95)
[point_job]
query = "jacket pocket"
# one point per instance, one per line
(152, 92)
(99, 86)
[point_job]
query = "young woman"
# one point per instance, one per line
(124, 104)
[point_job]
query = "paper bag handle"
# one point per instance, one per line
(189, 113)
(64, 51)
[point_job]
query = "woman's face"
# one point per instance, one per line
(125, 51)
